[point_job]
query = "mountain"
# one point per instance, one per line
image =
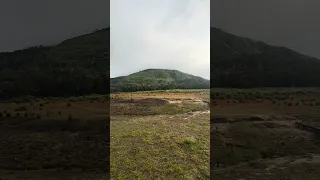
(239, 62)
(80, 66)
(76, 66)
(157, 79)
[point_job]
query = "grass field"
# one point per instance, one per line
(160, 135)
(253, 133)
(154, 135)
(163, 135)
(54, 138)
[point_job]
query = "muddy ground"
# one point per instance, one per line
(257, 138)
(160, 135)
(54, 139)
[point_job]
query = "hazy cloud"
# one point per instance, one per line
(290, 23)
(26, 23)
(160, 34)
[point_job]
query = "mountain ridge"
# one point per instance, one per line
(80, 66)
(238, 62)
(76, 66)
(153, 69)
(157, 79)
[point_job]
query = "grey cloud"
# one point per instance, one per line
(160, 34)
(41, 22)
(290, 23)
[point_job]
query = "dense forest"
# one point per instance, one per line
(157, 79)
(238, 62)
(77, 66)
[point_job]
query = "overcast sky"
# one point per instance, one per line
(168, 34)
(291, 23)
(26, 23)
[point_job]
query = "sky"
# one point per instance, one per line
(290, 23)
(160, 34)
(26, 23)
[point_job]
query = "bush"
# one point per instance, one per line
(8, 114)
(70, 117)
(22, 108)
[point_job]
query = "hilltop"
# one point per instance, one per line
(80, 65)
(157, 79)
(77, 66)
(244, 63)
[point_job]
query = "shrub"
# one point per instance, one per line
(70, 117)
(22, 108)
(8, 114)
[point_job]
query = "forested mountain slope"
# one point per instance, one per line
(243, 63)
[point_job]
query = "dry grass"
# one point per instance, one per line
(54, 135)
(154, 139)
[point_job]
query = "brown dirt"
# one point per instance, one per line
(169, 95)
(263, 130)
(59, 139)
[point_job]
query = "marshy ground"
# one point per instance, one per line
(54, 138)
(160, 135)
(254, 136)
(163, 135)
(154, 135)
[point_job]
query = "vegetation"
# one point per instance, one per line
(153, 138)
(238, 62)
(157, 79)
(278, 94)
(254, 136)
(78, 66)
(57, 134)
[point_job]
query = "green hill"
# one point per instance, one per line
(80, 66)
(243, 63)
(158, 79)
(76, 66)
